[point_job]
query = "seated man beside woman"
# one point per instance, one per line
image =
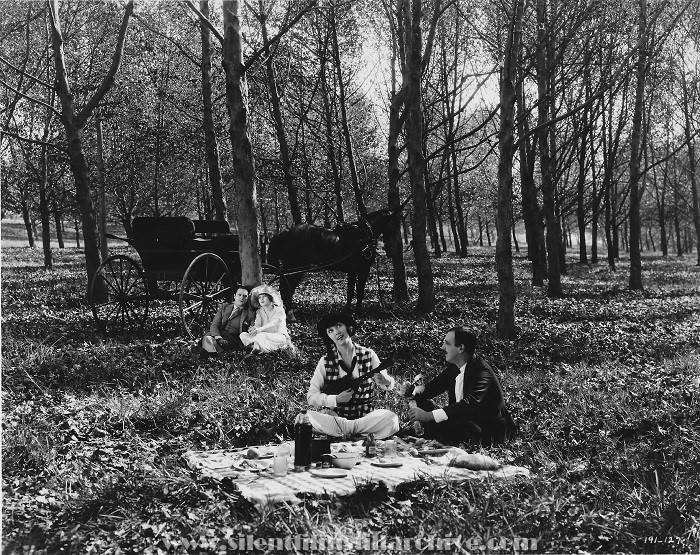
(266, 327)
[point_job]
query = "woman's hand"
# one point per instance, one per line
(343, 397)
(253, 331)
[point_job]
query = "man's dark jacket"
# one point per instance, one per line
(481, 404)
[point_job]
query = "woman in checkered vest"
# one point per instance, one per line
(349, 412)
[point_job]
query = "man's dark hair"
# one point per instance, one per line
(464, 336)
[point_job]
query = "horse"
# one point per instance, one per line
(349, 248)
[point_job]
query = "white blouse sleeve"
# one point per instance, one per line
(314, 395)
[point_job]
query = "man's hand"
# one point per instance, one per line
(381, 379)
(416, 413)
(343, 397)
(403, 387)
(223, 343)
(408, 386)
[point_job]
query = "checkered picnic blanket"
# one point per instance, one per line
(262, 487)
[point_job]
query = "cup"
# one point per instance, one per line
(279, 465)
(390, 449)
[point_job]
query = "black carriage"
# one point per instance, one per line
(195, 262)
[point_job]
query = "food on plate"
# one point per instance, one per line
(253, 453)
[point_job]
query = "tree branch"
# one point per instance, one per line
(283, 31)
(116, 61)
(168, 38)
(34, 141)
(670, 154)
(204, 20)
(20, 93)
(23, 72)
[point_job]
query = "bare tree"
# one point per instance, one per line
(506, 147)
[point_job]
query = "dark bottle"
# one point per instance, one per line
(302, 442)
(370, 446)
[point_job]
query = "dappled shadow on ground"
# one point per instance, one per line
(601, 382)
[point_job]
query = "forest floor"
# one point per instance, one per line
(604, 384)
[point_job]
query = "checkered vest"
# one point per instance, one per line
(361, 402)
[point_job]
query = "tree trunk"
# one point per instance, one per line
(211, 145)
(594, 210)
(59, 227)
(77, 233)
(43, 197)
(580, 198)
(354, 180)
(506, 149)
(481, 231)
(676, 212)
(400, 288)
(546, 165)
(531, 210)
(416, 161)
(692, 164)
(102, 193)
(27, 224)
(241, 151)
(441, 228)
(432, 223)
(74, 124)
(330, 142)
(287, 170)
(461, 219)
(635, 281)
(453, 220)
(44, 211)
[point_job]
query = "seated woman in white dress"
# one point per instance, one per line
(269, 331)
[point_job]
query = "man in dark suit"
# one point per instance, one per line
(476, 411)
(231, 319)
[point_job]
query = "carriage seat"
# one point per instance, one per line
(208, 228)
(162, 242)
(165, 231)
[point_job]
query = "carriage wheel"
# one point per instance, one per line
(206, 284)
(118, 295)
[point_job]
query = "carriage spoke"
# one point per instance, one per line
(109, 315)
(205, 283)
(125, 297)
(193, 307)
(221, 292)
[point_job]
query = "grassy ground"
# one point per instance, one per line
(604, 384)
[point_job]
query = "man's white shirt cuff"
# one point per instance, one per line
(439, 415)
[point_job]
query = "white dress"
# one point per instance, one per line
(272, 331)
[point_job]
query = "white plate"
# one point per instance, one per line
(386, 464)
(250, 466)
(329, 472)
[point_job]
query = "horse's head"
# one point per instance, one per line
(383, 222)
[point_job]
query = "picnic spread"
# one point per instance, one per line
(251, 469)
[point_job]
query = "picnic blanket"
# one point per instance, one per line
(262, 487)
